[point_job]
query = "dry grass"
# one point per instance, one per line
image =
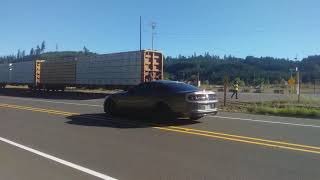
(291, 111)
(309, 106)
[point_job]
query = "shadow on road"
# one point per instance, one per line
(125, 122)
(67, 95)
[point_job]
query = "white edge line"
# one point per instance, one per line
(271, 122)
(61, 161)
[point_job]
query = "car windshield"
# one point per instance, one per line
(180, 87)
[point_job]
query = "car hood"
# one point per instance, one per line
(196, 91)
(185, 92)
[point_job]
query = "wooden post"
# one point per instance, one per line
(314, 87)
(225, 87)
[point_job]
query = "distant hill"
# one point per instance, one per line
(252, 70)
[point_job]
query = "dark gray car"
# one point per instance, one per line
(163, 98)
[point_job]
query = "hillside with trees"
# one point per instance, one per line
(252, 70)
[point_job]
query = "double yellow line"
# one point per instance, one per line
(244, 139)
(191, 131)
(38, 110)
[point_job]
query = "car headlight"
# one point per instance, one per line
(212, 97)
(197, 97)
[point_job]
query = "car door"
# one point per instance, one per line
(138, 98)
(144, 98)
(154, 94)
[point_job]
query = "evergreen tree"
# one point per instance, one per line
(38, 50)
(31, 52)
(43, 46)
(86, 50)
(18, 54)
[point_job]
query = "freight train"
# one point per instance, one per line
(116, 70)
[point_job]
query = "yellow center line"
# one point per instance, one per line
(38, 110)
(244, 137)
(45, 111)
(241, 140)
(210, 134)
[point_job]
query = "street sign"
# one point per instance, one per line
(291, 81)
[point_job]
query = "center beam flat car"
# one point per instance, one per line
(163, 98)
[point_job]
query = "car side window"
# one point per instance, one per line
(150, 89)
(142, 89)
(158, 89)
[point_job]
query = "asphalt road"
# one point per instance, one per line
(61, 138)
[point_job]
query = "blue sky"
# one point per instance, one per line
(280, 28)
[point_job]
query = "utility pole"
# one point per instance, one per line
(198, 76)
(140, 35)
(56, 47)
(291, 70)
(298, 80)
(153, 26)
(298, 84)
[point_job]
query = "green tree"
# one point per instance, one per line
(240, 82)
(23, 54)
(168, 76)
(18, 54)
(38, 50)
(43, 46)
(258, 82)
(86, 50)
(31, 52)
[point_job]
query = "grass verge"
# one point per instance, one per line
(308, 107)
(292, 111)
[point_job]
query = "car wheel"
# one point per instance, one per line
(109, 107)
(195, 118)
(213, 114)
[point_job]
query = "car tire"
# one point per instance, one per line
(213, 114)
(195, 118)
(109, 107)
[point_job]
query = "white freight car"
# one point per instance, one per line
(4, 75)
(22, 73)
(119, 69)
